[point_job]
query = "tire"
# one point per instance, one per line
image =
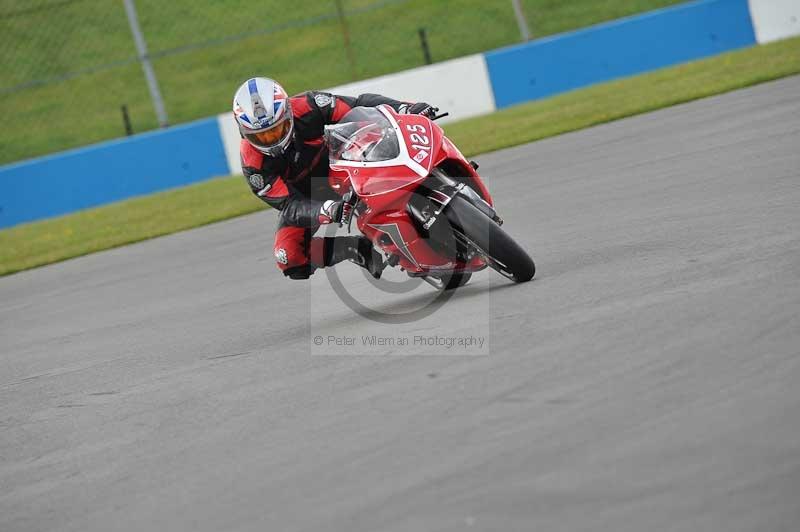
(504, 254)
(457, 280)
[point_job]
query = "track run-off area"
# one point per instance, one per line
(646, 379)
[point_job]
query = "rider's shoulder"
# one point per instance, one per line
(322, 100)
(253, 161)
(251, 157)
(302, 103)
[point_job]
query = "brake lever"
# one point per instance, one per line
(437, 117)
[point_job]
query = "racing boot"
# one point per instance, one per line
(357, 249)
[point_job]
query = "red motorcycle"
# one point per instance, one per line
(419, 199)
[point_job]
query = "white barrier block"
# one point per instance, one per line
(775, 19)
(459, 86)
(230, 140)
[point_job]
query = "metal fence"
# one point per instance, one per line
(81, 71)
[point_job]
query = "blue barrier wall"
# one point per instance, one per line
(111, 171)
(620, 48)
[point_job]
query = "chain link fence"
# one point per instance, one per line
(72, 75)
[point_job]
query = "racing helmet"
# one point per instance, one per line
(264, 116)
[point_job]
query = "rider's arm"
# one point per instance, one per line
(333, 106)
(263, 174)
(374, 100)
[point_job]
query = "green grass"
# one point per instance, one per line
(38, 243)
(34, 244)
(46, 38)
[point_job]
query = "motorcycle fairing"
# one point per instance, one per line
(388, 186)
(392, 174)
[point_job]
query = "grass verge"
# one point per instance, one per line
(47, 241)
(30, 245)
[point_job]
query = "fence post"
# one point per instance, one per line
(423, 41)
(346, 35)
(522, 22)
(126, 120)
(149, 73)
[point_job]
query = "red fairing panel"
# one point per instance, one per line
(382, 180)
(397, 234)
(387, 224)
(339, 180)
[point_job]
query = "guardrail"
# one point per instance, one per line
(111, 171)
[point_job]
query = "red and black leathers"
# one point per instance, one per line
(296, 183)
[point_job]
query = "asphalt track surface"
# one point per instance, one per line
(647, 379)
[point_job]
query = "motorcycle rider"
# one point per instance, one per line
(285, 161)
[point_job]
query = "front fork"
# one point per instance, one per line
(440, 195)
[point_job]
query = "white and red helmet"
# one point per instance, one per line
(264, 116)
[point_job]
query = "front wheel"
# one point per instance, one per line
(478, 231)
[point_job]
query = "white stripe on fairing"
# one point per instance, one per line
(775, 19)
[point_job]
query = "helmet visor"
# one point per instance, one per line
(272, 136)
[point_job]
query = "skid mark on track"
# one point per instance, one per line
(231, 355)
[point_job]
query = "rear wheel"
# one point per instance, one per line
(478, 231)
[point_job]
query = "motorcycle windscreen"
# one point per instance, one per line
(363, 135)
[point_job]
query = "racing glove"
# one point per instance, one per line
(419, 108)
(335, 212)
